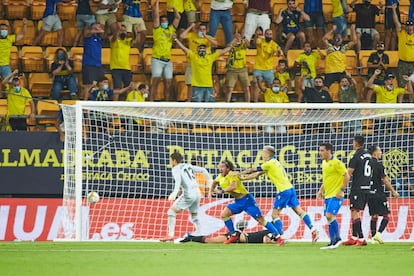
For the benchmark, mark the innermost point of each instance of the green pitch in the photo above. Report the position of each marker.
(116, 258)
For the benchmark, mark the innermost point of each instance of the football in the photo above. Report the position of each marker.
(93, 197)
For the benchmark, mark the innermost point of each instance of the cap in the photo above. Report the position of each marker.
(389, 76)
(409, 22)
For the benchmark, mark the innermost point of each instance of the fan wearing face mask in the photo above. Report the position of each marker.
(348, 94)
(6, 42)
(388, 94)
(17, 98)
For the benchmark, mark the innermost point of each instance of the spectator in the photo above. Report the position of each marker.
(348, 94)
(100, 91)
(378, 60)
(221, 13)
(236, 67)
(282, 74)
(161, 65)
(405, 48)
(51, 21)
(267, 48)
(257, 34)
(92, 56)
(17, 98)
(367, 35)
(84, 18)
(316, 94)
(190, 8)
(179, 7)
(105, 14)
(387, 93)
(290, 19)
(138, 95)
(390, 33)
(202, 65)
(195, 37)
(258, 12)
(134, 24)
(410, 10)
(335, 64)
(62, 69)
(339, 11)
(274, 94)
(120, 43)
(6, 42)
(60, 126)
(307, 63)
(313, 8)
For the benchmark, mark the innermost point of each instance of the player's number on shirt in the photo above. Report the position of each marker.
(367, 168)
(189, 172)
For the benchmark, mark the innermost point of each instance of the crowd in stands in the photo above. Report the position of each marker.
(316, 51)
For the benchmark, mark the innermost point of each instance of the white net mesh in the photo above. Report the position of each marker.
(125, 150)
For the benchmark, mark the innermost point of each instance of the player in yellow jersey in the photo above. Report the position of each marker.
(285, 192)
(226, 182)
(161, 65)
(335, 179)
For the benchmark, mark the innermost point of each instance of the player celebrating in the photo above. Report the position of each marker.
(377, 200)
(243, 201)
(360, 170)
(335, 178)
(286, 193)
(190, 197)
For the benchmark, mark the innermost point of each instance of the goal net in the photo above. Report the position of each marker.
(121, 150)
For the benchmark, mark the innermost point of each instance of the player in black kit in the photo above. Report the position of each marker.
(360, 170)
(377, 200)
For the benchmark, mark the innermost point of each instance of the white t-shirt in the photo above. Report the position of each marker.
(184, 177)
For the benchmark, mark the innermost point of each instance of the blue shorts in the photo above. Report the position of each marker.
(267, 75)
(286, 198)
(332, 205)
(247, 204)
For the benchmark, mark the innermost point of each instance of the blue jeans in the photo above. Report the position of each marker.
(5, 71)
(59, 86)
(223, 17)
(202, 94)
(340, 22)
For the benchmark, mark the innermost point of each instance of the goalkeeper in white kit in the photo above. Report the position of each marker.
(189, 198)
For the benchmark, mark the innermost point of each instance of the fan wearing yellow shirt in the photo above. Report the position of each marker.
(138, 95)
(307, 63)
(202, 70)
(178, 6)
(282, 73)
(161, 65)
(267, 48)
(405, 46)
(195, 37)
(285, 192)
(335, 179)
(229, 183)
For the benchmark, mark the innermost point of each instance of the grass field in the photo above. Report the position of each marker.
(117, 258)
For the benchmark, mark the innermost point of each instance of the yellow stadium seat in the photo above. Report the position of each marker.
(292, 54)
(32, 59)
(180, 88)
(238, 12)
(68, 102)
(69, 33)
(363, 61)
(37, 8)
(333, 91)
(48, 110)
(106, 57)
(76, 55)
(144, 7)
(14, 58)
(201, 130)
(50, 38)
(179, 60)
(224, 130)
(177, 130)
(67, 11)
(50, 56)
(139, 78)
(40, 85)
(16, 9)
(250, 59)
(147, 53)
(135, 60)
(30, 32)
(351, 62)
(204, 12)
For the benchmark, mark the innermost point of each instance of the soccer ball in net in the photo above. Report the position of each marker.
(93, 197)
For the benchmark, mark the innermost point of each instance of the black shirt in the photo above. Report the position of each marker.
(311, 95)
(361, 177)
(378, 173)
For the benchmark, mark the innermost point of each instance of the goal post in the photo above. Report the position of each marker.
(121, 151)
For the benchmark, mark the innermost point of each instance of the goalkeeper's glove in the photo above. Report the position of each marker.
(172, 196)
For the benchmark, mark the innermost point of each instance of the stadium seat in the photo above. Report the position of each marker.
(32, 59)
(205, 12)
(37, 8)
(351, 62)
(14, 58)
(49, 57)
(145, 8)
(76, 55)
(180, 88)
(30, 32)
(135, 60)
(139, 78)
(177, 130)
(249, 130)
(50, 38)
(147, 53)
(68, 102)
(221, 64)
(333, 91)
(238, 12)
(47, 111)
(292, 54)
(295, 129)
(363, 61)
(367, 127)
(16, 9)
(40, 85)
(224, 130)
(179, 60)
(67, 11)
(69, 33)
(327, 10)
(202, 130)
(106, 57)
(250, 59)
(220, 37)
